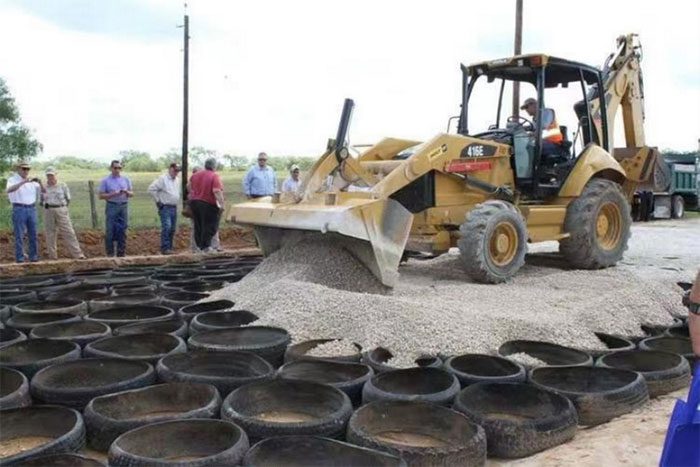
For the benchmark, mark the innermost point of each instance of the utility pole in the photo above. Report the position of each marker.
(185, 105)
(518, 49)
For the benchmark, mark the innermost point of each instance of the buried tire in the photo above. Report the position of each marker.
(598, 393)
(14, 389)
(663, 372)
(519, 419)
(493, 242)
(598, 222)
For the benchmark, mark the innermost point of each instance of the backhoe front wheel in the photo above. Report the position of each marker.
(598, 223)
(493, 242)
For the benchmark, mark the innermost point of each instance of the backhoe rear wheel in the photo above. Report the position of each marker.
(493, 242)
(599, 223)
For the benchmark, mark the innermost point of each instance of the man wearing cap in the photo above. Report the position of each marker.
(260, 180)
(23, 193)
(551, 133)
(165, 191)
(116, 191)
(292, 184)
(55, 197)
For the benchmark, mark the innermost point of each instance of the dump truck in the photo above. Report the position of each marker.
(487, 191)
(673, 188)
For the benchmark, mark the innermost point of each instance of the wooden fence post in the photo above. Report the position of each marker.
(93, 208)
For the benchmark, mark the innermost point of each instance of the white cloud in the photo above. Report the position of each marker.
(271, 75)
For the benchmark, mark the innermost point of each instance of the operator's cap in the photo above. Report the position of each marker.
(293, 168)
(528, 101)
(23, 165)
(175, 166)
(50, 171)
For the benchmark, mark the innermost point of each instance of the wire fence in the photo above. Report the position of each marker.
(142, 209)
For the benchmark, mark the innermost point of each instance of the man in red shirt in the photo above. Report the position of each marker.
(206, 198)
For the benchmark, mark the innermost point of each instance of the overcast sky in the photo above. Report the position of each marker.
(93, 77)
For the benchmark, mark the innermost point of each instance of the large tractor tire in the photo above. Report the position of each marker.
(493, 242)
(599, 223)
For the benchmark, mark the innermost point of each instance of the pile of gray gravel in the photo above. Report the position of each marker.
(316, 290)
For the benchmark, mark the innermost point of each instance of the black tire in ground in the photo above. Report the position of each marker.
(147, 347)
(112, 302)
(551, 354)
(475, 368)
(519, 419)
(493, 242)
(677, 207)
(612, 342)
(413, 384)
(25, 322)
(14, 389)
(315, 451)
(419, 432)
(377, 358)
(348, 377)
(176, 286)
(600, 210)
(32, 355)
(74, 307)
(120, 316)
(177, 300)
(173, 326)
(680, 330)
(60, 460)
(213, 320)
(134, 289)
(75, 383)
(268, 342)
(288, 407)
(12, 298)
(598, 393)
(80, 332)
(203, 287)
(9, 336)
(85, 295)
(663, 372)
(300, 351)
(188, 312)
(674, 344)
(181, 443)
(224, 370)
(5, 312)
(63, 429)
(109, 416)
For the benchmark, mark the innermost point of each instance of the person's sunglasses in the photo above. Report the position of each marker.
(24, 168)
(118, 168)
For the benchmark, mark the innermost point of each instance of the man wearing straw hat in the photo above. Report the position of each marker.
(23, 192)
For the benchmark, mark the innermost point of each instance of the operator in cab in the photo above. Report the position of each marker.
(551, 133)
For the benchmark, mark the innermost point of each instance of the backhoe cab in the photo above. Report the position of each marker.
(538, 173)
(487, 192)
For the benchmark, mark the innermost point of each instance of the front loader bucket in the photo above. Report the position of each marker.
(374, 231)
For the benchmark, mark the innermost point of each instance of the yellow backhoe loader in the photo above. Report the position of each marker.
(488, 192)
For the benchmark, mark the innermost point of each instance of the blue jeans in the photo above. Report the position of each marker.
(168, 224)
(117, 220)
(24, 220)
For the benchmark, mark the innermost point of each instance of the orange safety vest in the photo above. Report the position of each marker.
(552, 133)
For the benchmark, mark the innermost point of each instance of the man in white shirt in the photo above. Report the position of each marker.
(292, 184)
(23, 193)
(165, 191)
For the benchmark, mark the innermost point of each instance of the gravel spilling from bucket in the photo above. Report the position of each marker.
(336, 348)
(316, 290)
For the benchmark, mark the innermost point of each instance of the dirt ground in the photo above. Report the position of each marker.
(139, 242)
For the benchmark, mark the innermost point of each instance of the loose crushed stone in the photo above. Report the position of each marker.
(403, 360)
(335, 348)
(526, 359)
(315, 290)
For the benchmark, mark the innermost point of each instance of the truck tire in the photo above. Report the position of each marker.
(598, 223)
(677, 207)
(493, 242)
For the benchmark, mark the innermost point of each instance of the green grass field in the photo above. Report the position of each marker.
(142, 211)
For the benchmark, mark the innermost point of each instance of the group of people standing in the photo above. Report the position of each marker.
(205, 204)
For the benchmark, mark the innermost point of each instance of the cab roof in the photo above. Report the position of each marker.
(526, 68)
